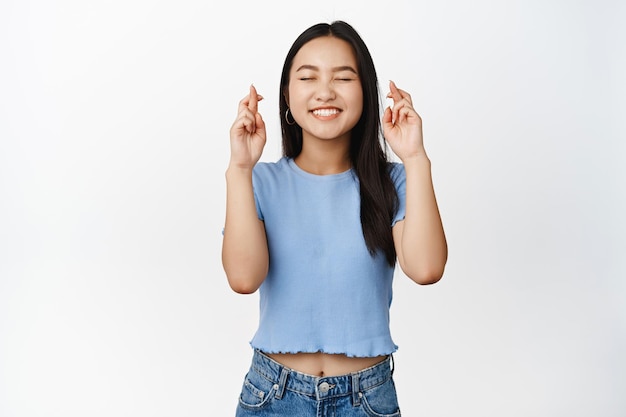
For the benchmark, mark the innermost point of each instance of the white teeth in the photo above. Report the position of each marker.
(325, 112)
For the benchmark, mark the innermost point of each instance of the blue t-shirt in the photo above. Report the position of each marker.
(324, 292)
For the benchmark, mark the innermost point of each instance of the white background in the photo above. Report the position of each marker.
(114, 120)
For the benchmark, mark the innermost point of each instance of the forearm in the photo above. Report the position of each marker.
(244, 249)
(424, 247)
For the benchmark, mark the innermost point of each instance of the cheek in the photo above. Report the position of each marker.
(357, 103)
(295, 98)
(357, 96)
(292, 94)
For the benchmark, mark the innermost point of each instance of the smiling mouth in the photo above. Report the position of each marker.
(326, 112)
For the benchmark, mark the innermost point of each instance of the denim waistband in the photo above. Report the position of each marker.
(321, 388)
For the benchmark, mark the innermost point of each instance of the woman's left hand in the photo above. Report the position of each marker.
(402, 126)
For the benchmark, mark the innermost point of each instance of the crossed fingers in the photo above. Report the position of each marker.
(248, 110)
(402, 104)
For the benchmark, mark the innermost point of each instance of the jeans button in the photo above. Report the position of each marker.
(324, 387)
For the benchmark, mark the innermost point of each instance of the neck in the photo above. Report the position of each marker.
(324, 157)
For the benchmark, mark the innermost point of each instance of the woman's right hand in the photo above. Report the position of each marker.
(247, 134)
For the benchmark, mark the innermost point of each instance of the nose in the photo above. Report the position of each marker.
(325, 91)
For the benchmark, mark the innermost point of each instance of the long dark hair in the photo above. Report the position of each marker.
(379, 199)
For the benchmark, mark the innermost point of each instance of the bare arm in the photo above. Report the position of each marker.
(419, 239)
(244, 249)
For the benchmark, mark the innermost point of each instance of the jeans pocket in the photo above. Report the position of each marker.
(257, 392)
(381, 401)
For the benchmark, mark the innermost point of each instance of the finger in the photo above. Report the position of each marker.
(398, 104)
(246, 121)
(253, 102)
(394, 93)
(260, 125)
(405, 95)
(244, 103)
(398, 94)
(404, 113)
(246, 125)
(387, 118)
(255, 97)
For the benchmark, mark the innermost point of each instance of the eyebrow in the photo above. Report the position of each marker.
(334, 69)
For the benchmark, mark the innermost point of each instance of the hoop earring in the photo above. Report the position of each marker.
(293, 121)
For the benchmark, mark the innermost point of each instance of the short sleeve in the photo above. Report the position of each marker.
(398, 177)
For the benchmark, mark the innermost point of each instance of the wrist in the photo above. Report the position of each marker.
(419, 158)
(238, 171)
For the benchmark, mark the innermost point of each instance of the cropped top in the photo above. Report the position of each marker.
(324, 291)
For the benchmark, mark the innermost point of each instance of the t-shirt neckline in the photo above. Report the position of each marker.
(327, 177)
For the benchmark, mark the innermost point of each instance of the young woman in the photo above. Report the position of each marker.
(319, 232)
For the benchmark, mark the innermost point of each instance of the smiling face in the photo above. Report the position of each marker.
(325, 94)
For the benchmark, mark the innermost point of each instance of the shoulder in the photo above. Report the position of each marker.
(269, 170)
(396, 172)
(264, 167)
(269, 178)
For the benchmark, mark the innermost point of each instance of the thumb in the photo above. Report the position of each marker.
(387, 118)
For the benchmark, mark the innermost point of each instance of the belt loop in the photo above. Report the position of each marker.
(392, 363)
(356, 399)
(282, 382)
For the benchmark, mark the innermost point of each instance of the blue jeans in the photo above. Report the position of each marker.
(271, 389)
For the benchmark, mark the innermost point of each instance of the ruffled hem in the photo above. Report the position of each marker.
(351, 353)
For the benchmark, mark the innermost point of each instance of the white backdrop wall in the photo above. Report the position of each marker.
(114, 120)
